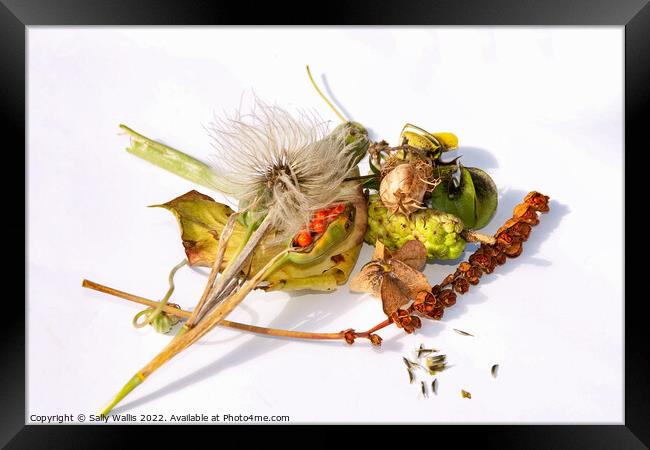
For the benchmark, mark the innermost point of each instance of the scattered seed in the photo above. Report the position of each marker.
(495, 370)
(418, 366)
(437, 358)
(465, 394)
(425, 351)
(424, 390)
(410, 365)
(464, 333)
(434, 386)
(436, 364)
(411, 376)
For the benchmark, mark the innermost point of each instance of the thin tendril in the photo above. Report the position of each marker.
(340, 116)
(161, 305)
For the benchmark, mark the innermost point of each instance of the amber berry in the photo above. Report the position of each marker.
(303, 239)
(318, 226)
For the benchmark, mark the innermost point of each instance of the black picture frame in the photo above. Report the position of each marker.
(16, 15)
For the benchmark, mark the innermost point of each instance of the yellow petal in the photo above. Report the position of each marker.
(448, 140)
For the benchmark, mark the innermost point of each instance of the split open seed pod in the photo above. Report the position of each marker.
(201, 221)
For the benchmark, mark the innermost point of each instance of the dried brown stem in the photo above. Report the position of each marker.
(507, 242)
(377, 327)
(475, 236)
(225, 323)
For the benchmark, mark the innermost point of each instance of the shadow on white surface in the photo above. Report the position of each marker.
(542, 232)
(317, 314)
(474, 157)
(320, 311)
(374, 137)
(334, 100)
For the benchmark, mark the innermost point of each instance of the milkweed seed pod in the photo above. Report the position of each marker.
(439, 232)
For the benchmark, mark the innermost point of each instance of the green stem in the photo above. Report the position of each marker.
(362, 177)
(161, 305)
(181, 342)
(128, 387)
(278, 264)
(340, 116)
(172, 160)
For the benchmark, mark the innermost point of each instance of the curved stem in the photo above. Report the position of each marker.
(377, 327)
(277, 332)
(160, 305)
(224, 323)
(340, 116)
(186, 339)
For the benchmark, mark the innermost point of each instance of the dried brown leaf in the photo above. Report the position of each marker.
(381, 252)
(368, 279)
(411, 281)
(392, 296)
(413, 254)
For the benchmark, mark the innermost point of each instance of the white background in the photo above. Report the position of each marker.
(538, 108)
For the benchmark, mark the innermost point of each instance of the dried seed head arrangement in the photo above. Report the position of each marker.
(304, 212)
(284, 167)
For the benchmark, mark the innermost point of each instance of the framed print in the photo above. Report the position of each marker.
(407, 216)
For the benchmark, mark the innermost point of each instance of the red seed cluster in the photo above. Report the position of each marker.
(318, 225)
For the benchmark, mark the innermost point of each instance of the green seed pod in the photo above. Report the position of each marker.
(356, 139)
(338, 231)
(162, 323)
